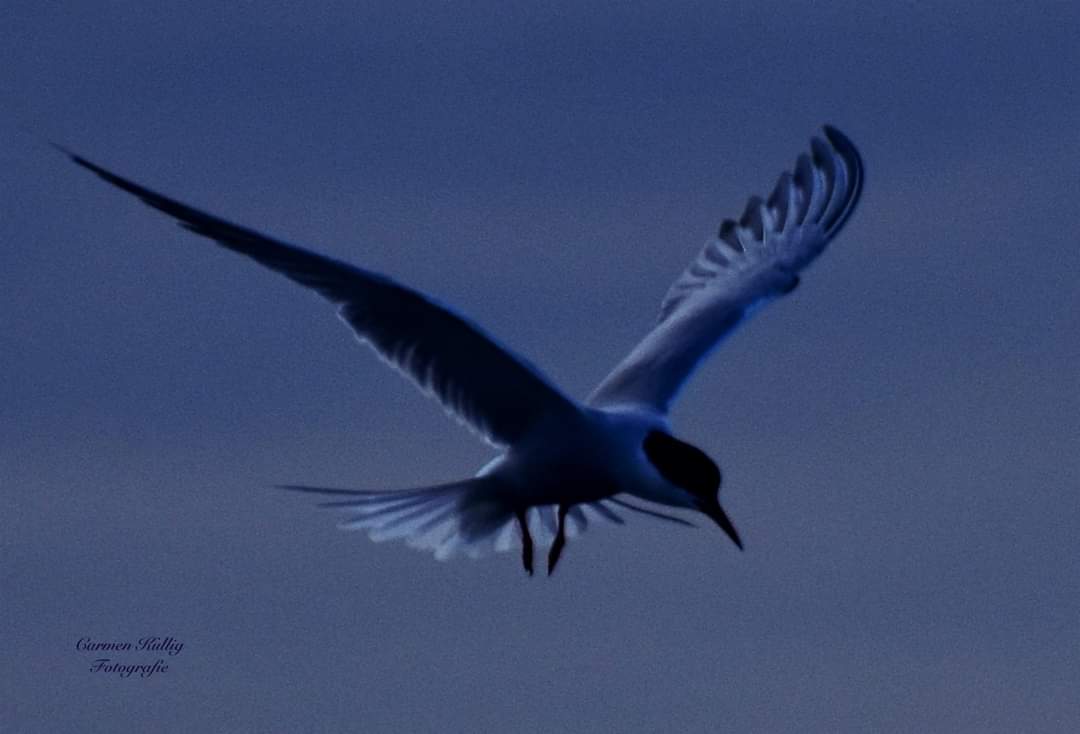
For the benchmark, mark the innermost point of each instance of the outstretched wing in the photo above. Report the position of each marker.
(493, 391)
(749, 263)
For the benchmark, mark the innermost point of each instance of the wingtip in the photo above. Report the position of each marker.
(64, 150)
(836, 137)
(69, 153)
(83, 162)
(843, 145)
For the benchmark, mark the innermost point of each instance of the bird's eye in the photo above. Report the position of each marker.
(683, 465)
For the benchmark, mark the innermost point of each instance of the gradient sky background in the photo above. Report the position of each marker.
(900, 437)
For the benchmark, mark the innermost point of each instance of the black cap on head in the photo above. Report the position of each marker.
(683, 465)
(690, 468)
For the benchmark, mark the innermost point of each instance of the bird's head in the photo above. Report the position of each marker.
(690, 470)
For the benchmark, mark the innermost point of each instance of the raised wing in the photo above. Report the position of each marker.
(749, 263)
(498, 394)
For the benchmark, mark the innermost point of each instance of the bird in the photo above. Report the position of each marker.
(561, 463)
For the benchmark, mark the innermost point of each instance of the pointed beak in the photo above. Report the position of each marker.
(716, 512)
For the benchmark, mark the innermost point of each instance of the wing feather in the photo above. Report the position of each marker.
(479, 382)
(751, 261)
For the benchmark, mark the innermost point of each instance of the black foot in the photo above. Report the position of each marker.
(526, 543)
(560, 540)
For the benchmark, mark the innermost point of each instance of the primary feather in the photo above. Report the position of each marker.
(748, 263)
(488, 388)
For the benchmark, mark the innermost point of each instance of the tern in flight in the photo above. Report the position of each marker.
(563, 463)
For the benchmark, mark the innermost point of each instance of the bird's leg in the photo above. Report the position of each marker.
(526, 542)
(560, 539)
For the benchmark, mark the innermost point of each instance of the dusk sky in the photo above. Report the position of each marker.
(900, 437)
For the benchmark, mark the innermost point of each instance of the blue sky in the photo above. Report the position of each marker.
(899, 437)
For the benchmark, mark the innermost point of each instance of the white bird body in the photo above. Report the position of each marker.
(590, 458)
(562, 463)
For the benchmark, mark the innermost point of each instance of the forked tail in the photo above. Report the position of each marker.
(460, 517)
(471, 517)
